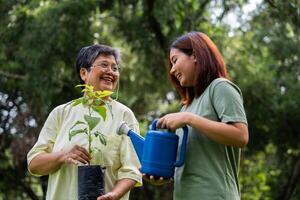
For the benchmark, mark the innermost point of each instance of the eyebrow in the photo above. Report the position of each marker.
(107, 62)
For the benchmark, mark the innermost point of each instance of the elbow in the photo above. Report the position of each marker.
(32, 169)
(243, 142)
(242, 135)
(244, 139)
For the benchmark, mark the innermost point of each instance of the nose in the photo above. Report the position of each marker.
(172, 70)
(110, 70)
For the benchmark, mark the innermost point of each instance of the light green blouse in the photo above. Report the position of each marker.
(211, 169)
(118, 155)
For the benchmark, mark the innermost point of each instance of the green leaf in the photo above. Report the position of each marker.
(104, 93)
(101, 110)
(96, 149)
(92, 121)
(109, 109)
(77, 101)
(77, 123)
(75, 132)
(99, 102)
(84, 100)
(101, 137)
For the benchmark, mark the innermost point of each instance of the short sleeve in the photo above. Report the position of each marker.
(131, 121)
(227, 101)
(46, 138)
(129, 160)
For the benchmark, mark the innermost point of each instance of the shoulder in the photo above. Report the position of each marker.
(62, 107)
(60, 111)
(224, 86)
(125, 114)
(120, 107)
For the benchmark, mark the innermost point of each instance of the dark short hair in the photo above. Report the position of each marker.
(87, 56)
(209, 65)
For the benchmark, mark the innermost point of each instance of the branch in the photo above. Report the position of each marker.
(154, 24)
(201, 10)
(27, 189)
(271, 3)
(203, 6)
(13, 76)
(293, 181)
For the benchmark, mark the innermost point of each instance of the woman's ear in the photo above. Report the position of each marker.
(194, 57)
(83, 74)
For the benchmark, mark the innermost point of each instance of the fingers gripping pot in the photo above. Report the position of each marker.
(157, 152)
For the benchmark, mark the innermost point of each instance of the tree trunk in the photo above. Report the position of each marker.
(293, 181)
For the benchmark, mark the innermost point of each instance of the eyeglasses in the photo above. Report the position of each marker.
(106, 66)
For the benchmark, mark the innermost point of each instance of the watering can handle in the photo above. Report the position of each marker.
(153, 125)
(179, 162)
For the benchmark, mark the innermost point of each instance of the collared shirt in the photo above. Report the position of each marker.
(118, 155)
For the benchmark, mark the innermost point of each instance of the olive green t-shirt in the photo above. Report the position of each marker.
(211, 169)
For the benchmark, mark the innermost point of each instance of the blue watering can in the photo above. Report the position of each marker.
(157, 153)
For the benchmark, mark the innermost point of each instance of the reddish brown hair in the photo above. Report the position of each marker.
(209, 64)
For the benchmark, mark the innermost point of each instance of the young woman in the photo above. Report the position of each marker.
(57, 156)
(214, 113)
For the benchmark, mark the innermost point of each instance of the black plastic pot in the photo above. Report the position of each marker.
(90, 182)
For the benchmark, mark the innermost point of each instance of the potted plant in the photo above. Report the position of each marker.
(91, 177)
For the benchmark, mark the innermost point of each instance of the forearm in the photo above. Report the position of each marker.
(46, 163)
(123, 186)
(235, 134)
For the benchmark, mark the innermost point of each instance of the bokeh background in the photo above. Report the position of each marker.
(259, 40)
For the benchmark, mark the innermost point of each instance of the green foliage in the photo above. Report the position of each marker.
(262, 168)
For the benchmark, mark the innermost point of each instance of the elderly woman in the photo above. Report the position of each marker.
(57, 156)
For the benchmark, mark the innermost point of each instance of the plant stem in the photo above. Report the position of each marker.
(90, 141)
(90, 136)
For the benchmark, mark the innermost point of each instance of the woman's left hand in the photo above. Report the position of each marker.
(173, 121)
(157, 181)
(108, 196)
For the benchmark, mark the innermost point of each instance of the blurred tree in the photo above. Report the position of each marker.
(267, 47)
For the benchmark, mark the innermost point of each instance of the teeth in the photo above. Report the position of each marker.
(107, 79)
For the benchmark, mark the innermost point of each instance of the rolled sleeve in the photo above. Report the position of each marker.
(46, 138)
(130, 162)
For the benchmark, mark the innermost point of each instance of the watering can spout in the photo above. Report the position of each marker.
(136, 139)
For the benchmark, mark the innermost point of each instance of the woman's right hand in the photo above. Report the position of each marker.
(47, 163)
(77, 155)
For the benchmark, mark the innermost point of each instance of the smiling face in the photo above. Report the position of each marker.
(183, 67)
(103, 74)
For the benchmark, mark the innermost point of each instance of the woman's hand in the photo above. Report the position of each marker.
(157, 181)
(120, 189)
(46, 163)
(77, 155)
(108, 196)
(173, 121)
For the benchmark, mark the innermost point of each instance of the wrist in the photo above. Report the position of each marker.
(61, 157)
(115, 195)
(189, 119)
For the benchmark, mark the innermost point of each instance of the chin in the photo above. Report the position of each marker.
(106, 87)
